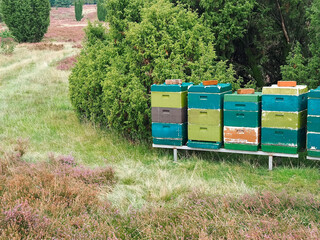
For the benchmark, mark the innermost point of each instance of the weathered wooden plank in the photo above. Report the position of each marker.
(242, 135)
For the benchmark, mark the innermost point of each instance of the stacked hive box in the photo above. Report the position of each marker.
(205, 105)
(242, 121)
(313, 142)
(284, 118)
(169, 113)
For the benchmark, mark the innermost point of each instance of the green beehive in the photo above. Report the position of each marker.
(207, 133)
(285, 120)
(205, 117)
(169, 99)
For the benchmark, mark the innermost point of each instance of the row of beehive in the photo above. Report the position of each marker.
(282, 127)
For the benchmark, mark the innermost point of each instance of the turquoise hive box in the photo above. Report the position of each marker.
(169, 113)
(313, 135)
(205, 114)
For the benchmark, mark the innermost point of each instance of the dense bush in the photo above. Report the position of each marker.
(101, 10)
(114, 75)
(27, 20)
(304, 66)
(78, 7)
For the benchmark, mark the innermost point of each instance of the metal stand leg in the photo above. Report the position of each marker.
(175, 154)
(270, 162)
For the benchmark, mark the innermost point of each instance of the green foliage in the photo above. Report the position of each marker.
(0, 11)
(314, 46)
(304, 66)
(52, 3)
(115, 71)
(296, 69)
(7, 43)
(101, 10)
(78, 7)
(27, 20)
(63, 3)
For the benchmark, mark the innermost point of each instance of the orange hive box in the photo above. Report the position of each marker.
(242, 135)
(173, 81)
(287, 83)
(210, 82)
(246, 91)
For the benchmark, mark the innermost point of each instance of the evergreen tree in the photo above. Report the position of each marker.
(101, 10)
(27, 20)
(78, 7)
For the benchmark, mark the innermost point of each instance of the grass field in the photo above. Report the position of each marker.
(34, 105)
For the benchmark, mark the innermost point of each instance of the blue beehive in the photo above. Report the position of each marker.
(205, 114)
(283, 118)
(313, 136)
(169, 113)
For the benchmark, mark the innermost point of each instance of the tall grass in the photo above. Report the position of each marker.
(58, 198)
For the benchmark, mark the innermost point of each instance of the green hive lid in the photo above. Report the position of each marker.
(170, 88)
(219, 88)
(235, 97)
(275, 90)
(314, 93)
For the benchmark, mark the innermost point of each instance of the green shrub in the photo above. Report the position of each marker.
(78, 7)
(0, 11)
(52, 3)
(111, 82)
(27, 20)
(7, 43)
(101, 10)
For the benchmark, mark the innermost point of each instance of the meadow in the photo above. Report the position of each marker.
(77, 180)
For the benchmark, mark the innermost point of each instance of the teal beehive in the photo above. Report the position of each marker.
(169, 113)
(313, 135)
(283, 118)
(205, 109)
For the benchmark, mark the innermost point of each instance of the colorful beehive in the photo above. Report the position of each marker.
(284, 118)
(313, 142)
(242, 121)
(169, 113)
(205, 105)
